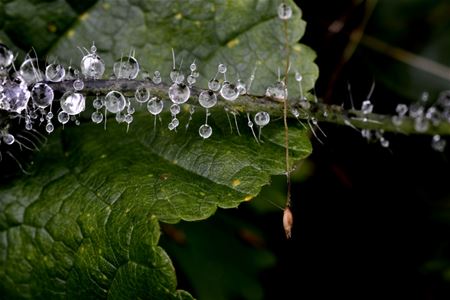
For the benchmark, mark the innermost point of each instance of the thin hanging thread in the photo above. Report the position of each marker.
(287, 212)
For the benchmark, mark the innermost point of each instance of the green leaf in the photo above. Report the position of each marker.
(85, 224)
(243, 34)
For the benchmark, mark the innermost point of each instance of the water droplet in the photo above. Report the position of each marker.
(155, 105)
(156, 77)
(438, 144)
(174, 74)
(397, 120)
(126, 68)
(92, 66)
(191, 80)
(70, 74)
(207, 99)
(433, 115)
(305, 104)
(421, 124)
(366, 133)
(175, 122)
(384, 143)
(205, 131)
(229, 91)
(175, 109)
(9, 139)
(262, 118)
(367, 107)
(179, 93)
(97, 103)
(115, 102)
(193, 67)
(401, 109)
(42, 95)
(214, 85)
(241, 87)
(29, 70)
(171, 126)
(425, 97)
(78, 85)
(97, 117)
(416, 110)
(6, 57)
(73, 103)
(63, 117)
(284, 11)
(222, 68)
(130, 110)
(128, 118)
(55, 72)
(49, 127)
(278, 91)
(295, 112)
(298, 76)
(49, 116)
(15, 95)
(28, 126)
(142, 94)
(120, 117)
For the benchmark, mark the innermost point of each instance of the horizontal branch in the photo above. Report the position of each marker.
(251, 103)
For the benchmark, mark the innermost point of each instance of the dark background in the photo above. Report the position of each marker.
(370, 222)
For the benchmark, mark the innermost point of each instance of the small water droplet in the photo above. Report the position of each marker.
(284, 11)
(205, 131)
(262, 118)
(97, 117)
(142, 94)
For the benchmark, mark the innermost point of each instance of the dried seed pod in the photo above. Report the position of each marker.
(288, 221)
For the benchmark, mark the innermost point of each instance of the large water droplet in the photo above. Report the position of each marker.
(207, 99)
(55, 72)
(92, 66)
(29, 70)
(16, 96)
(115, 102)
(229, 91)
(126, 68)
(42, 95)
(278, 91)
(73, 103)
(262, 118)
(155, 105)
(6, 57)
(179, 93)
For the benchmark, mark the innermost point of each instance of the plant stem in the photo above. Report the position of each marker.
(252, 103)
